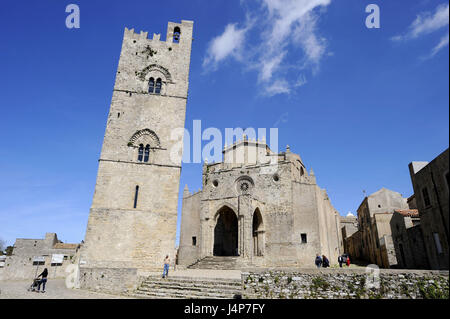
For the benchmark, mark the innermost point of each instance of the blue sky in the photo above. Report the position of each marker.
(357, 104)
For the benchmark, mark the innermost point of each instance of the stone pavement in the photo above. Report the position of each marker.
(55, 289)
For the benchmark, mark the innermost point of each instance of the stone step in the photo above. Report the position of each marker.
(190, 292)
(218, 263)
(178, 279)
(163, 295)
(188, 287)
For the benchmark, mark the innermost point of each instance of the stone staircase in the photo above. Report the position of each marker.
(218, 262)
(156, 287)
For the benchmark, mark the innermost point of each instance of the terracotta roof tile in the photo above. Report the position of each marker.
(408, 212)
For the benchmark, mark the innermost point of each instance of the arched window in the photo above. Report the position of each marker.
(151, 85)
(158, 86)
(146, 153)
(140, 152)
(176, 35)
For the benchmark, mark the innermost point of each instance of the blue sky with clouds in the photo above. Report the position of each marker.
(357, 104)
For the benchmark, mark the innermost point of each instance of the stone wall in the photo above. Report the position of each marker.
(109, 280)
(188, 253)
(431, 180)
(20, 264)
(344, 284)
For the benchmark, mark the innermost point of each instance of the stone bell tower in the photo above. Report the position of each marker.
(133, 217)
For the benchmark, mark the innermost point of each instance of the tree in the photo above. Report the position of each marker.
(9, 250)
(2, 246)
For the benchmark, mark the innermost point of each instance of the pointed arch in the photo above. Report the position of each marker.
(258, 233)
(225, 232)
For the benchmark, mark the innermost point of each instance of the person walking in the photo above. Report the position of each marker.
(318, 261)
(340, 260)
(166, 267)
(348, 261)
(325, 262)
(43, 281)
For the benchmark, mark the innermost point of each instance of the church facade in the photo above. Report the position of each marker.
(261, 207)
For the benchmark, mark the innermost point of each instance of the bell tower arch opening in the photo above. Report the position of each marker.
(226, 233)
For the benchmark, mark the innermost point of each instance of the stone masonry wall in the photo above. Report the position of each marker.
(109, 280)
(344, 284)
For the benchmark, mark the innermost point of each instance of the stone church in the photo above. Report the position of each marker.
(265, 210)
(261, 207)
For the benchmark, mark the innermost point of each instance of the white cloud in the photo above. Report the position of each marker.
(278, 86)
(228, 43)
(426, 23)
(443, 43)
(278, 24)
(269, 65)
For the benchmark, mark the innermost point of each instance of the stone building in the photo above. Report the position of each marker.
(431, 191)
(261, 208)
(30, 257)
(349, 226)
(373, 240)
(133, 218)
(408, 240)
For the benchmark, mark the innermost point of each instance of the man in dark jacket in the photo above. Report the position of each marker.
(318, 261)
(340, 260)
(325, 262)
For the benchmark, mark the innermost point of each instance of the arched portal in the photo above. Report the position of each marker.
(226, 233)
(258, 234)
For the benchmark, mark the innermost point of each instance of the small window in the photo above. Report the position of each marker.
(141, 152)
(194, 241)
(38, 263)
(146, 153)
(158, 86)
(426, 197)
(215, 183)
(136, 193)
(176, 35)
(304, 239)
(151, 85)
